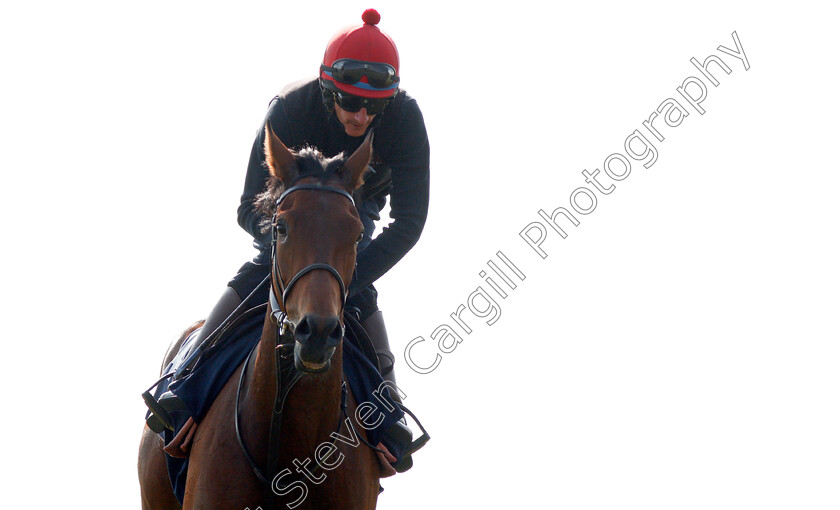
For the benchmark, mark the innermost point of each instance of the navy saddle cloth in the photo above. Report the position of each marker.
(199, 388)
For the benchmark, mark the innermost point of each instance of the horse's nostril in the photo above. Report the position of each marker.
(303, 329)
(319, 332)
(332, 332)
(335, 334)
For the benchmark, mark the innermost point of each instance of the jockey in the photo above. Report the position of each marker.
(357, 91)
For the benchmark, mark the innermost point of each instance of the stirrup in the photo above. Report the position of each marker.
(160, 418)
(402, 435)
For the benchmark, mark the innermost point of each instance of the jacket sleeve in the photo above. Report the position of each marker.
(255, 178)
(409, 162)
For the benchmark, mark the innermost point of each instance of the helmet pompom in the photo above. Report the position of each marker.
(371, 16)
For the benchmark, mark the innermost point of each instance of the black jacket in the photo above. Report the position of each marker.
(299, 117)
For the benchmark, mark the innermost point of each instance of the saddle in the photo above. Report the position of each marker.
(182, 396)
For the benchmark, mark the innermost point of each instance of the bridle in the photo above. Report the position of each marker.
(278, 308)
(287, 376)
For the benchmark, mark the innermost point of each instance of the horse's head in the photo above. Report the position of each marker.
(315, 232)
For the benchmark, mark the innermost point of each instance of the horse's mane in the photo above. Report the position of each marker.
(310, 163)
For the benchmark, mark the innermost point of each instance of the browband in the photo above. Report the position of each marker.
(315, 186)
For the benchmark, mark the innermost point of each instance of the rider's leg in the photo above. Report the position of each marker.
(224, 307)
(249, 277)
(399, 433)
(168, 401)
(375, 328)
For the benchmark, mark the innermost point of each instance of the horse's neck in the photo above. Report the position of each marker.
(312, 409)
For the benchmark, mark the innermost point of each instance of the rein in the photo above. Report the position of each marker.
(287, 375)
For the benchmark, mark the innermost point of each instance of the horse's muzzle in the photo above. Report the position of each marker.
(316, 338)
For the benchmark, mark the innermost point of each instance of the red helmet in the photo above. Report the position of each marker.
(362, 60)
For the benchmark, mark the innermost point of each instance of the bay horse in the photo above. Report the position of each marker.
(235, 459)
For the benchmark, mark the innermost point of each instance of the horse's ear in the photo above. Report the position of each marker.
(354, 168)
(280, 160)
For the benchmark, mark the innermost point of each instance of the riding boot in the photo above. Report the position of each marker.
(399, 432)
(375, 328)
(224, 307)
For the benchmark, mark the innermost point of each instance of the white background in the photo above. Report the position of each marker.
(677, 350)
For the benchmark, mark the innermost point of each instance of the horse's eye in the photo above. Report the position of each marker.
(361, 236)
(280, 229)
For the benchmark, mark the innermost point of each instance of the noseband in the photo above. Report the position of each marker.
(278, 308)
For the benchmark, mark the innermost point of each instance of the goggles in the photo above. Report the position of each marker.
(352, 104)
(350, 72)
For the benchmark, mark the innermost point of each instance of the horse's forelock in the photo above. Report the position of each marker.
(311, 163)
